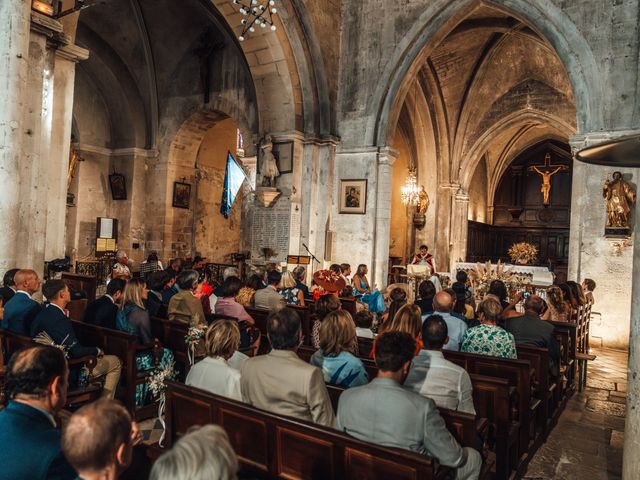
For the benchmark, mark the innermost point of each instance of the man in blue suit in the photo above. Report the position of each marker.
(36, 387)
(20, 311)
(54, 321)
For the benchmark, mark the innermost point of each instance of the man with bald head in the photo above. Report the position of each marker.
(443, 305)
(98, 440)
(36, 388)
(20, 311)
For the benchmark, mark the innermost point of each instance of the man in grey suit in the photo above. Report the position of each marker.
(268, 298)
(280, 381)
(385, 413)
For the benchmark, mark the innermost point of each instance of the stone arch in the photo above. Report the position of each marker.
(439, 19)
(285, 59)
(520, 117)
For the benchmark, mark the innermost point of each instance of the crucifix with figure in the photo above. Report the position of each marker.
(547, 170)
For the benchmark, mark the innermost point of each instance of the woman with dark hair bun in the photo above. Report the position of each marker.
(567, 293)
(577, 292)
(426, 290)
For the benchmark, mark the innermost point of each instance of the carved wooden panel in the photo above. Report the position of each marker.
(303, 456)
(363, 466)
(248, 437)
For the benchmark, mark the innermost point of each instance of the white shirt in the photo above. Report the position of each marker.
(447, 384)
(216, 376)
(364, 332)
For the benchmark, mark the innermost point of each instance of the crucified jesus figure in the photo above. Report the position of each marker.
(546, 175)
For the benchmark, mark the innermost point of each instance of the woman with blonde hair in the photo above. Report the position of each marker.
(557, 310)
(290, 292)
(213, 373)
(133, 318)
(335, 357)
(408, 320)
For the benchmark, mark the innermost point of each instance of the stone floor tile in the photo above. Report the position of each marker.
(621, 387)
(608, 408)
(598, 383)
(617, 439)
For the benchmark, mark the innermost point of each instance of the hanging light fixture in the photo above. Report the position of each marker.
(256, 14)
(410, 192)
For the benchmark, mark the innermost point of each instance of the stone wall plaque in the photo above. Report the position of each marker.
(270, 229)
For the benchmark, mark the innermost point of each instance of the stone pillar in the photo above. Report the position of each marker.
(386, 157)
(14, 54)
(444, 225)
(61, 120)
(459, 230)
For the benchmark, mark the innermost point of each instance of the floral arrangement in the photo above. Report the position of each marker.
(483, 274)
(44, 338)
(192, 338)
(523, 253)
(158, 377)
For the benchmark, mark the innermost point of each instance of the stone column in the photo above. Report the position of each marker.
(14, 54)
(61, 120)
(444, 225)
(386, 157)
(459, 228)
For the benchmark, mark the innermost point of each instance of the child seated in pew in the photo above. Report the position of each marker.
(339, 365)
(214, 373)
(364, 321)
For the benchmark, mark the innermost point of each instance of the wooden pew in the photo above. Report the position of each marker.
(11, 342)
(123, 346)
(365, 345)
(566, 335)
(260, 316)
(520, 376)
(274, 446)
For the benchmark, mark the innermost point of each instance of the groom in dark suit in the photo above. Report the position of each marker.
(36, 388)
(54, 320)
(20, 311)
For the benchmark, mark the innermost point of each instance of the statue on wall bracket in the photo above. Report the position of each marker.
(620, 197)
(419, 217)
(267, 193)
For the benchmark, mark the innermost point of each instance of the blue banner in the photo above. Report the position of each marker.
(233, 178)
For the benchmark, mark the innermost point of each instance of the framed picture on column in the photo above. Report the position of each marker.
(353, 196)
(283, 151)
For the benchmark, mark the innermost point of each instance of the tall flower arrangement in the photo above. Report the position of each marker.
(483, 274)
(523, 253)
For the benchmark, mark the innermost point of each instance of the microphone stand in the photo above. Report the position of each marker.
(313, 257)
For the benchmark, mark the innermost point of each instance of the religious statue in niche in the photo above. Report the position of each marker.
(268, 165)
(620, 197)
(546, 171)
(419, 216)
(423, 206)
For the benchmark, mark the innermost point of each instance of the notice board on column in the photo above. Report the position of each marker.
(270, 229)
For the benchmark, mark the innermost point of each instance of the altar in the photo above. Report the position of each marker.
(539, 276)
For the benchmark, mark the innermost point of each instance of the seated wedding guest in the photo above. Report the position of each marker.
(556, 306)
(529, 329)
(398, 297)
(204, 453)
(150, 266)
(364, 321)
(184, 307)
(299, 273)
(227, 305)
(54, 321)
(156, 283)
(335, 268)
(372, 297)
(461, 305)
(407, 320)
(324, 305)
(268, 298)
(426, 291)
(245, 294)
(280, 381)
(98, 440)
(175, 267)
(499, 289)
(443, 306)
(213, 373)
(120, 269)
(290, 292)
(345, 271)
(339, 365)
(170, 288)
(577, 292)
(153, 259)
(8, 289)
(102, 311)
(133, 318)
(588, 286)
(385, 413)
(488, 338)
(36, 389)
(432, 376)
(453, 312)
(463, 278)
(226, 273)
(569, 300)
(20, 311)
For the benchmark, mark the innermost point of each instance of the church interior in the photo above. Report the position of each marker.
(445, 142)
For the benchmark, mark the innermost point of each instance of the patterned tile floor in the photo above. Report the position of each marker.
(587, 441)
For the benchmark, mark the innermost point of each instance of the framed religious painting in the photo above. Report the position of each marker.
(118, 186)
(181, 194)
(353, 196)
(283, 151)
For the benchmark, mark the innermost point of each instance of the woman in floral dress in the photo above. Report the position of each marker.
(488, 338)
